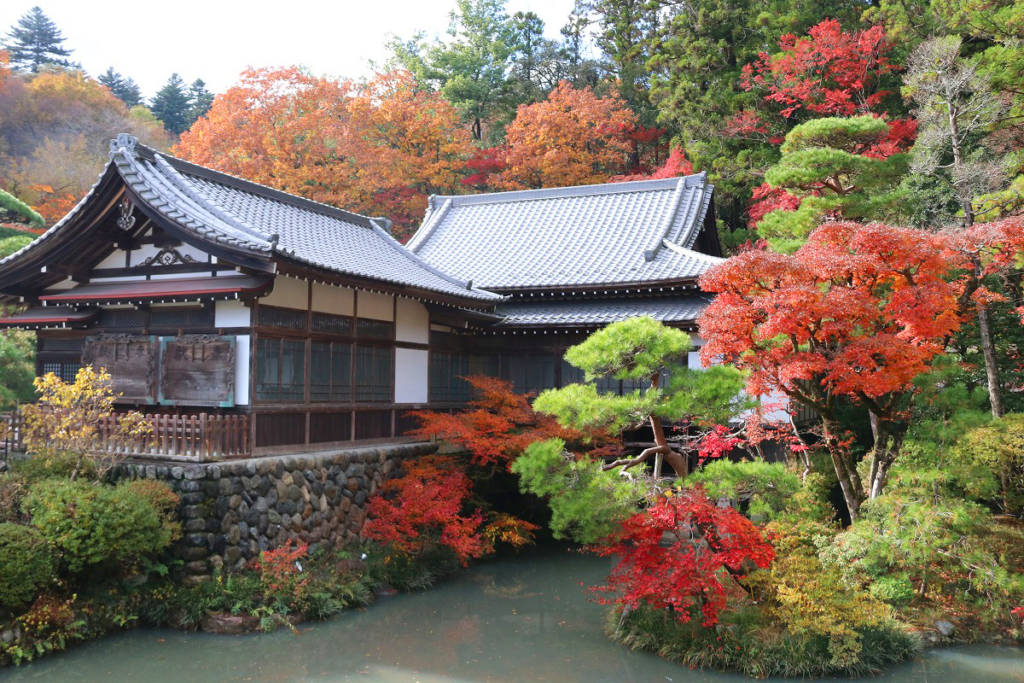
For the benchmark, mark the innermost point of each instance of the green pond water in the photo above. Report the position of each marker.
(522, 618)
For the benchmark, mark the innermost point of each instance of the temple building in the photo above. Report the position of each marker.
(214, 300)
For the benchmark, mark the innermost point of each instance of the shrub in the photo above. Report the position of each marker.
(761, 488)
(748, 642)
(45, 463)
(13, 488)
(424, 510)
(91, 525)
(684, 553)
(67, 419)
(895, 590)
(164, 501)
(27, 566)
(999, 447)
(953, 550)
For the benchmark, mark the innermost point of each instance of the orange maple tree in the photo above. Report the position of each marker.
(854, 315)
(573, 137)
(497, 426)
(377, 148)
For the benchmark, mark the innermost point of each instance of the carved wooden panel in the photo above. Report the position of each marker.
(131, 362)
(198, 370)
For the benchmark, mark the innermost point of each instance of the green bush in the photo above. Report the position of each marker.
(895, 590)
(52, 464)
(748, 642)
(26, 562)
(91, 525)
(13, 488)
(9, 245)
(761, 489)
(999, 447)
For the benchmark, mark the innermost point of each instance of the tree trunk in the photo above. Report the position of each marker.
(988, 347)
(675, 460)
(846, 470)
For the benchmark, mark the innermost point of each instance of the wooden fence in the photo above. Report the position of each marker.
(194, 438)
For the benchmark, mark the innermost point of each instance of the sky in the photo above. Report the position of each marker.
(216, 39)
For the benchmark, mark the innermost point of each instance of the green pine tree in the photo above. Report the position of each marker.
(172, 105)
(201, 100)
(824, 162)
(124, 89)
(35, 41)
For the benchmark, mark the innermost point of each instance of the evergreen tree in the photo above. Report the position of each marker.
(578, 69)
(172, 105)
(36, 41)
(470, 69)
(124, 89)
(201, 100)
(834, 166)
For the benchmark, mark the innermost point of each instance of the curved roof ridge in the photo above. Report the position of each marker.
(408, 253)
(575, 190)
(187, 212)
(670, 220)
(208, 203)
(679, 249)
(239, 183)
(434, 219)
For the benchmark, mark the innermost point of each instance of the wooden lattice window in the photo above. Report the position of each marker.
(374, 374)
(280, 370)
(330, 372)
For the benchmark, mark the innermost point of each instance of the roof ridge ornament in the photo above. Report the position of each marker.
(123, 143)
(126, 221)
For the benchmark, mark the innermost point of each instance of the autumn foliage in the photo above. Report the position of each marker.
(496, 427)
(378, 148)
(856, 314)
(573, 137)
(683, 553)
(829, 72)
(425, 509)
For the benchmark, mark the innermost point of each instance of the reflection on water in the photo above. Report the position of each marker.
(519, 619)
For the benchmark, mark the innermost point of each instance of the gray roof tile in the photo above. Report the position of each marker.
(683, 308)
(261, 221)
(616, 233)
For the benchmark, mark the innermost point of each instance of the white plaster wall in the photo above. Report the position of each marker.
(242, 344)
(375, 306)
(411, 376)
(288, 293)
(113, 260)
(331, 299)
(413, 324)
(231, 314)
(66, 283)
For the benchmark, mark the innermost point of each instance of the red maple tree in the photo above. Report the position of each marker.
(424, 509)
(828, 72)
(854, 315)
(497, 426)
(684, 553)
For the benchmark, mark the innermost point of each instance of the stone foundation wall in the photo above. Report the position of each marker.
(232, 510)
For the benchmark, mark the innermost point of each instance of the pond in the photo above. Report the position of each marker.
(522, 618)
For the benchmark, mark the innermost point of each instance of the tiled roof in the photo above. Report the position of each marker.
(683, 308)
(253, 220)
(617, 233)
(261, 220)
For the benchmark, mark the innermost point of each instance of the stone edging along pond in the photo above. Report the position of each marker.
(232, 510)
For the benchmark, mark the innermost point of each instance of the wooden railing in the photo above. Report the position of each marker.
(194, 438)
